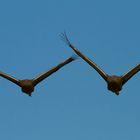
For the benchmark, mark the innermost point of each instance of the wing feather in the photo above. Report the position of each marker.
(130, 73)
(52, 70)
(90, 62)
(10, 78)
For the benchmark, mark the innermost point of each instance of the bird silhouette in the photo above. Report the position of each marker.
(114, 83)
(27, 85)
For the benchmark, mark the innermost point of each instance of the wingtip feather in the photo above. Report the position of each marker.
(74, 57)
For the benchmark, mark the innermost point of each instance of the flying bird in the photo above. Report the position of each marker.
(27, 85)
(114, 83)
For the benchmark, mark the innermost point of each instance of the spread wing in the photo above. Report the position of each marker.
(90, 62)
(130, 73)
(10, 78)
(52, 70)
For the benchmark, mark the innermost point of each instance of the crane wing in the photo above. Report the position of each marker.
(10, 78)
(130, 73)
(52, 70)
(90, 62)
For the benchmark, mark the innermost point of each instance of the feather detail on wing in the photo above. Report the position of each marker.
(52, 70)
(90, 62)
(130, 73)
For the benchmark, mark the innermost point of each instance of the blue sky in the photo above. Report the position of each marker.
(74, 103)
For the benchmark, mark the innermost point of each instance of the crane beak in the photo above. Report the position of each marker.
(29, 94)
(117, 93)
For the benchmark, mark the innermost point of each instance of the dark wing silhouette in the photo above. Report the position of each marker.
(90, 62)
(130, 73)
(52, 70)
(10, 78)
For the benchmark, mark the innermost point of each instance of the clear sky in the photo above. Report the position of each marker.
(73, 103)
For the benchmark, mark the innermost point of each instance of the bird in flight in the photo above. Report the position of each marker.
(27, 85)
(114, 83)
